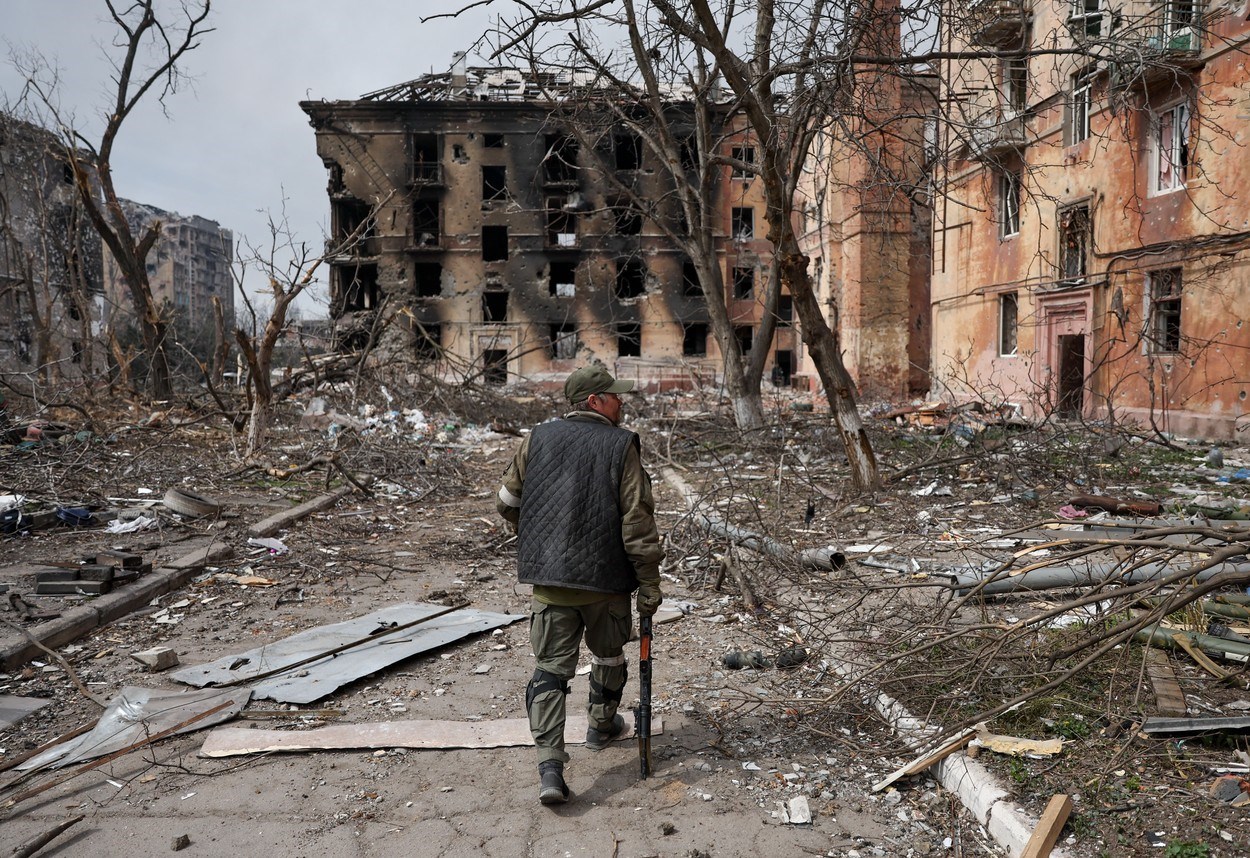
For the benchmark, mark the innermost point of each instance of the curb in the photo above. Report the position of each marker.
(16, 651)
(1011, 826)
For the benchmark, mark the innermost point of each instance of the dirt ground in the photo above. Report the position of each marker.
(736, 746)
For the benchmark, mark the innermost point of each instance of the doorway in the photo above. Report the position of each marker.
(1071, 375)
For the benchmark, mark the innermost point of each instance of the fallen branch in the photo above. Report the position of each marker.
(69, 671)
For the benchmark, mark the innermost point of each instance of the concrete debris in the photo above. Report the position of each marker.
(157, 658)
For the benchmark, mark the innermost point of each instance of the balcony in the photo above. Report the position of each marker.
(996, 134)
(425, 174)
(999, 22)
(1167, 41)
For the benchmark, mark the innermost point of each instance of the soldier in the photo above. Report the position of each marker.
(581, 503)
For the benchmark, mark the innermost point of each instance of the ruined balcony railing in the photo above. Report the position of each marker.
(999, 22)
(429, 174)
(996, 134)
(1158, 45)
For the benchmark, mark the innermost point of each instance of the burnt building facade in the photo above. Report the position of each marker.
(51, 270)
(503, 241)
(1091, 246)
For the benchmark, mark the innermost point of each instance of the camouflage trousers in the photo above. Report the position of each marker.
(556, 634)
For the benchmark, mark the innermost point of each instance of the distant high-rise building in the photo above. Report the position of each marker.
(187, 267)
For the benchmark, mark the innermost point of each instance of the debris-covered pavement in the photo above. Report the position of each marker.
(806, 658)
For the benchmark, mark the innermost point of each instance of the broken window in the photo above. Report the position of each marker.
(628, 220)
(694, 339)
(1074, 243)
(1164, 314)
(348, 216)
(427, 339)
(1080, 107)
(628, 151)
(563, 345)
(75, 349)
(744, 283)
(494, 183)
(785, 310)
(1086, 18)
(783, 367)
(742, 223)
(494, 307)
(690, 280)
(1008, 203)
(492, 141)
(631, 278)
(426, 228)
(1008, 309)
(494, 243)
(560, 163)
(425, 165)
(1171, 148)
(428, 279)
(689, 152)
(1016, 84)
(744, 334)
(745, 154)
(561, 224)
(562, 279)
(629, 339)
(357, 287)
(495, 366)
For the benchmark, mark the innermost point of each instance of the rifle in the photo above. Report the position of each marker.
(642, 718)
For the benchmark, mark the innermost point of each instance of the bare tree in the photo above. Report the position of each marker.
(140, 31)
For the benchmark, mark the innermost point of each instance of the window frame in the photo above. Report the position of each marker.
(1179, 117)
(1081, 107)
(1015, 85)
(1090, 19)
(1011, 299)
(743, 216)
(1157, 340)
(745, 154)
(1010, 196)
(1065, 279)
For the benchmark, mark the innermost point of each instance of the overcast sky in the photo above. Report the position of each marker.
(236, 143)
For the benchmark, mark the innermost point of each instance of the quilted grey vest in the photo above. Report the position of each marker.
(570, 529)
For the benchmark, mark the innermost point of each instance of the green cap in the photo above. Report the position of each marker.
(593, 379)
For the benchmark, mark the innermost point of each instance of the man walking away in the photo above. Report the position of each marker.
(581, 503)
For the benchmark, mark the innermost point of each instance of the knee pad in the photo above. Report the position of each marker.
(602, 694)
(542, 682)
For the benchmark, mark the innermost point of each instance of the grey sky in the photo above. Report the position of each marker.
(236, 143)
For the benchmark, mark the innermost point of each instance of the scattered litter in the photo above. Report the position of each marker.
(934, 490)
(1069, 511)
(1016, 747)
(135, 525)
(1231, 789)
(501, 733)
(795, 811)
(275, 546)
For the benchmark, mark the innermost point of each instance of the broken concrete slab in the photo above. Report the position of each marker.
(377, 649)
(157, 658)
(271, 525)
(426, 735)
(138, 712)
(14, 708)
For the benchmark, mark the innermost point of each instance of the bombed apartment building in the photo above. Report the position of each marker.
(1091, 248)
(864, 223)
(465, 209)
(51, 283)
(188, 266)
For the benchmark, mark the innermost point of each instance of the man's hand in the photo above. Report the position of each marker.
(649, 598)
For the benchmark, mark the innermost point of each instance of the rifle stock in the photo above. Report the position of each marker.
(642, 721)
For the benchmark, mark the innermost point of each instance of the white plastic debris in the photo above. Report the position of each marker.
(274, 545)
(133, 526)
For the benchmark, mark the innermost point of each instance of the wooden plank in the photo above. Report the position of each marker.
(278, 521)
(1169, 698)
(1200, 657)
(1048, 827)
(500, 733)
(927, 759)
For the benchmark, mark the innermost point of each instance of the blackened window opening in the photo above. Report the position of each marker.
(629, 339)
(492, 141)
(494, 243)
(358, 287)
(561, 224)
(427, 339)
(742, 222)
(425, 157)
(495, 366)
(494, 183)
(785, 310)
(563, 345)
(494, 307)
(560, 164)
(562, 279)
(631, 278)
(690, 286)
(350, 216)
(628, 219)
(428, 279)
(744, 335)
(744, 283)
(628, 149)
(694, 339)
(426, 228)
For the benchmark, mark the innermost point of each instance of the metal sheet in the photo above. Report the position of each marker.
(14, 709)
(138, 712)
(429, 735)
(311, 682)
